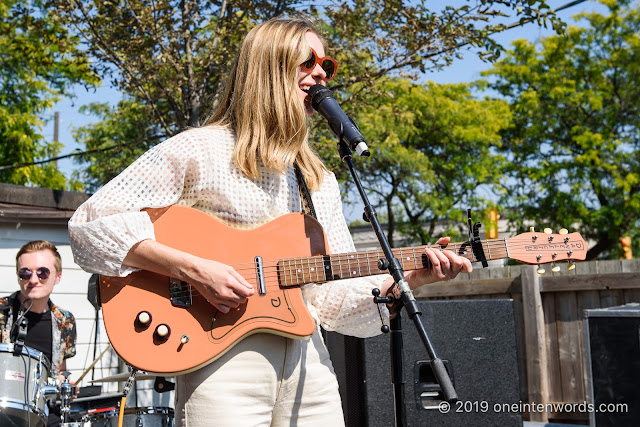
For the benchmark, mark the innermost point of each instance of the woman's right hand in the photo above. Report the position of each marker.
(221, 285)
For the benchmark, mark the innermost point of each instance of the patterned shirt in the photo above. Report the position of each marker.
(195, 168)
(63, 331)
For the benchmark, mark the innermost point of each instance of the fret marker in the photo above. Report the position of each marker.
(353, 273)
(326, 267)
(313, 269)
(299, 270)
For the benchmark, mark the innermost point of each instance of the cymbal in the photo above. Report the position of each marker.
(123, 376)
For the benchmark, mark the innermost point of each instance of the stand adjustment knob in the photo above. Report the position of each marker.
(377, 299)
(383, 264)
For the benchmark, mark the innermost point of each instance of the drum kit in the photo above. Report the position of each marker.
(25, 389)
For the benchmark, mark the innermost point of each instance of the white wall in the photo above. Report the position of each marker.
(71, 294)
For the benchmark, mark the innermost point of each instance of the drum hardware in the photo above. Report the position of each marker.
(132, 417)
(49, 391)
(161, 385)
(106, 411)
(83, 407)
(67, 390)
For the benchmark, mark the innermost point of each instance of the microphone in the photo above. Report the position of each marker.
(343, 126)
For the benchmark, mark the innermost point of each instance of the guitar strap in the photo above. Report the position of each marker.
(307, 203)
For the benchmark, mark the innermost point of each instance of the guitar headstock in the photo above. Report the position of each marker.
(545, 247)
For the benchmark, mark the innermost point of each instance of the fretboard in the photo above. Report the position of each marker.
(294, 272)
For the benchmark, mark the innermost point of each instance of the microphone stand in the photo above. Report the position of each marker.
(403, 295)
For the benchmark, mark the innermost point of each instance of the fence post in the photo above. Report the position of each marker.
(535, 344)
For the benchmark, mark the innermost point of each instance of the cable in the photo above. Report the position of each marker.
(79, 153)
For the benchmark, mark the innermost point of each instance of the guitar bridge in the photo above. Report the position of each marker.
(180, 293)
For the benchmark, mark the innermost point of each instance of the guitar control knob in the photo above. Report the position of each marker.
(162, 332)
(144, 318)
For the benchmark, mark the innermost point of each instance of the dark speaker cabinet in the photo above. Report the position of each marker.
(612, 337)
(476, 340)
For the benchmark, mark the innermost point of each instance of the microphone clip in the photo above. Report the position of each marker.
(19, 334)
(360, 147)
(19, 329)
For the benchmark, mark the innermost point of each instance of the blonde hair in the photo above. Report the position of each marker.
(41, 245)
(261, 102)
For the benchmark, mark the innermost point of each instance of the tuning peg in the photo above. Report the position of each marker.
(532, 229)
(555, 267)
(563, 231)
(571, 266)
(548, 231)
(541, 270)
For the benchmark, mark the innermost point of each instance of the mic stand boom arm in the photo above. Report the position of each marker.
(406, 298)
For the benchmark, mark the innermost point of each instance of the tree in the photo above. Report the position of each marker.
(172, 57)
(573, 144)
(432, 147)
(128, 124)
(40, 62)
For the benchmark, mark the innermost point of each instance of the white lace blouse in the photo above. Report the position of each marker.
(195, 168)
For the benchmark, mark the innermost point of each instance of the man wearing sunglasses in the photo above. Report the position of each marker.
(51, 330)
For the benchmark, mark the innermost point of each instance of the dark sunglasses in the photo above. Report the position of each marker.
(26, 273)
(329, 65)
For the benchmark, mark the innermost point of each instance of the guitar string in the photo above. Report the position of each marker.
(355, 256)
(275, 286)
(339, 260)
(379, 253)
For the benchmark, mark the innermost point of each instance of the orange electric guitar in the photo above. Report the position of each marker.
(161, 325)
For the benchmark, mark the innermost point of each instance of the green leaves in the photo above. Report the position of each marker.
(174, 56)
(574, 139)
(40, 62)
(432, 147)
(122, 135)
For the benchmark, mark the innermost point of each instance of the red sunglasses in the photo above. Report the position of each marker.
(329, 65)
(26, 273)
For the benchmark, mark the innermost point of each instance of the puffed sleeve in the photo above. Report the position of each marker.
(109, 223)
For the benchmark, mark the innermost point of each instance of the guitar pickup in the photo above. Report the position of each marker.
(180, 293)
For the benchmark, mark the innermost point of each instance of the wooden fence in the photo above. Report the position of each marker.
(549, 313)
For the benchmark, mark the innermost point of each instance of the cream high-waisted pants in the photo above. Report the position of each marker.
(264, 380)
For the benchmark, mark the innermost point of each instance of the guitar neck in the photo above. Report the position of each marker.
(294, 272)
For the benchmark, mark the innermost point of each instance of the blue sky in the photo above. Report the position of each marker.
(462, 70)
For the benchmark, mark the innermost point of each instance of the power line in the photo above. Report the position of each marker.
(77, 153)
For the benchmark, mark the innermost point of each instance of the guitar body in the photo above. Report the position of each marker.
(160, 325)
(198, 333)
